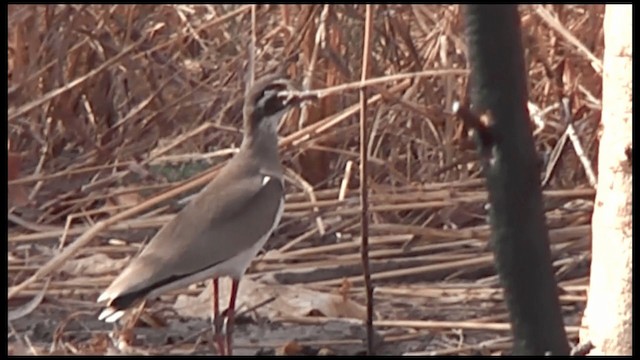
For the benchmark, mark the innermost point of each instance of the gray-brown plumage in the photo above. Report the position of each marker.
(220, 231)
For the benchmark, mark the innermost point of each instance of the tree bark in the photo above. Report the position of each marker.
(519, 236)
(607, 320)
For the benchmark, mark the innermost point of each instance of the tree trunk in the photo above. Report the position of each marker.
(607, 320)
(519, 233)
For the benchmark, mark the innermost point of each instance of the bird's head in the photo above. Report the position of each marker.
(267, 100)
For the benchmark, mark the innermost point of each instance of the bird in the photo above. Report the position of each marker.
(226, 224)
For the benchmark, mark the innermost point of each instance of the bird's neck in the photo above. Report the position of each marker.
(263, 145)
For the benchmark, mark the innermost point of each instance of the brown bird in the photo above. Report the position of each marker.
(223, 228)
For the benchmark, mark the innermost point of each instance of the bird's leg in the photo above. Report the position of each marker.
(231, 314)
(216, 320)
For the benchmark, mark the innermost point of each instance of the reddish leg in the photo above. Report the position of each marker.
(216, 319)
(231, 315)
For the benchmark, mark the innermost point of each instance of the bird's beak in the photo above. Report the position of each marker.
(295, 97)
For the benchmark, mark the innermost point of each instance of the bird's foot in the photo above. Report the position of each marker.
(218, 335)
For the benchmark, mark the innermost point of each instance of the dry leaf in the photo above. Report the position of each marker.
(128, 199)
(325, 352)
(344, 289)
(122, 198)
(289, 300)
(290, 348)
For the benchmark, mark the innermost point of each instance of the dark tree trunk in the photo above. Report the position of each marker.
(519, 234)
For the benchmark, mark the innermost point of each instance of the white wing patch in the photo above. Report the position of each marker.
(265, 180)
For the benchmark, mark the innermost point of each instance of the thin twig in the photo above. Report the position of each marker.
(344, 184)
(307, 188)
(357, 85)
(364, 201)
(575, 141)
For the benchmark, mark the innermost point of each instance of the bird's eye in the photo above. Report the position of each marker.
(272, 105)
(270, 102)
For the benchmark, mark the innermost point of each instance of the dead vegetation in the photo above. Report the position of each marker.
(117, 112)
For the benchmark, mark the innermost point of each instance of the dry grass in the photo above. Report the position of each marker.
(111, 106)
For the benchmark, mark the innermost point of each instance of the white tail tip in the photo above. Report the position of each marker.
(110, 315)
(103, 297)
